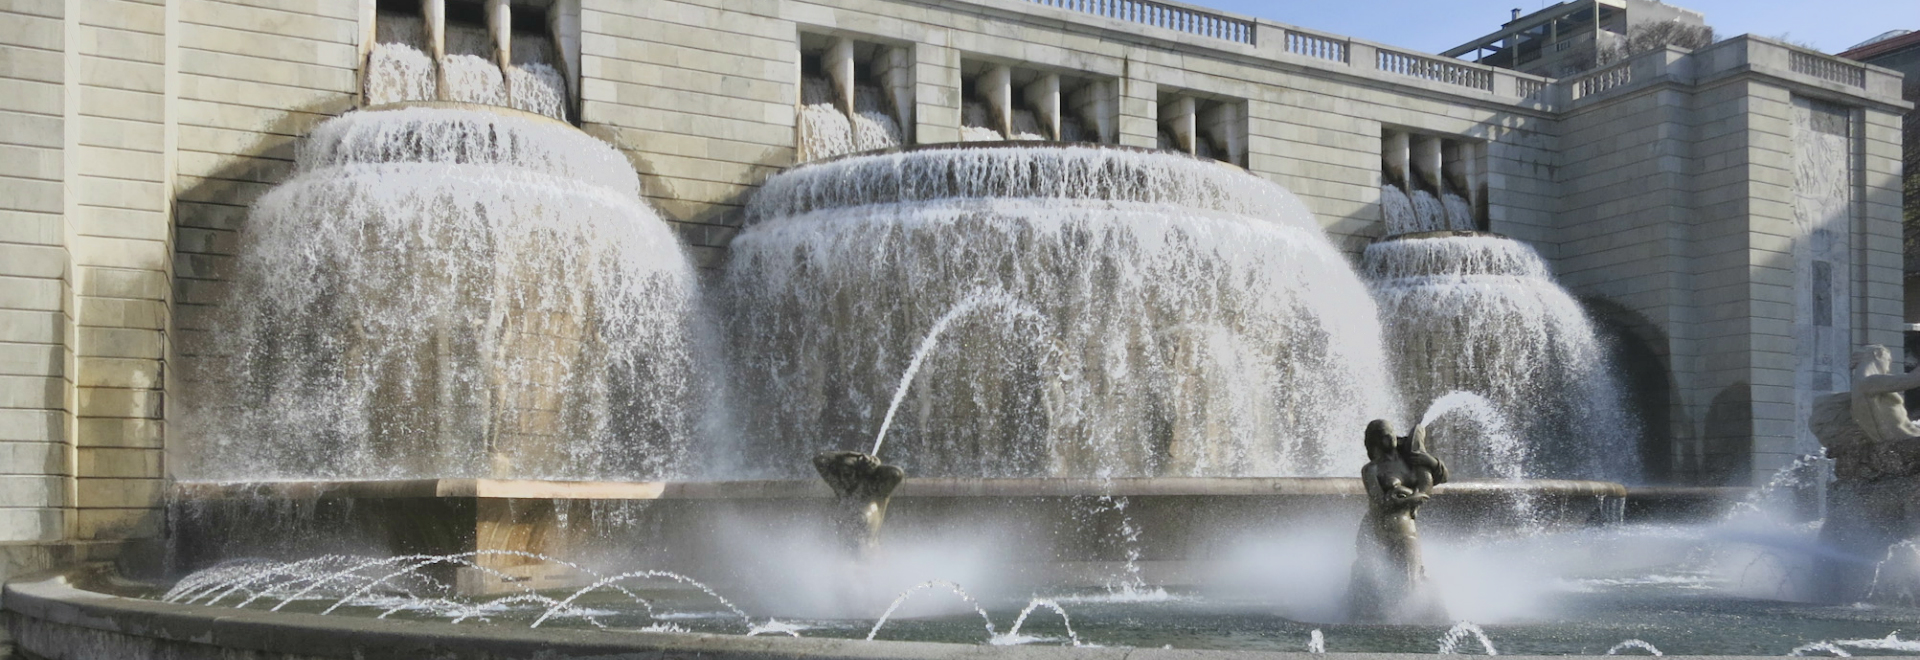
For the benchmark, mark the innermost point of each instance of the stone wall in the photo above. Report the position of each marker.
(36, 313)
(1679, 214)
(88, 236)
(705, 123)
(85, 259)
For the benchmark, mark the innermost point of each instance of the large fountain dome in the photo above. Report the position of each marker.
(449, 291)
(1103, 312)
(1477, 312)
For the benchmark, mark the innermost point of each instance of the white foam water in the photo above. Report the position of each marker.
(1482, 314)
(1397, 210)
(1462, 632)
(824, 131)
(1429, 214)
(976, 123)
(1193, 319)
(1634, 644)
(1026, 126)
(537, 88)
(1473, 437)
(950, 587)
(448, 293)
(474, 79)
(874, 127)
(399, 72)
(1459, 212)
(1013, 636)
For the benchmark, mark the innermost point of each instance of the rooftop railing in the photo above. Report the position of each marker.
(1603, 80)
(1316, 46)
(1319, 49)
(1446, 70)
(1827, 68)
(1172, 17)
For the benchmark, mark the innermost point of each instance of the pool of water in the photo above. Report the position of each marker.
(1679, 614)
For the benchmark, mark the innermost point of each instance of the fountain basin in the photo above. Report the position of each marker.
(61, 616)
(91, 614)
(1047, 531)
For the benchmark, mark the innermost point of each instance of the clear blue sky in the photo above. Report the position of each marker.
(1436, 25)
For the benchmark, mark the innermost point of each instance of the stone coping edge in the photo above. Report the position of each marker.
(51, 601)
(814, 488)
(501, 110)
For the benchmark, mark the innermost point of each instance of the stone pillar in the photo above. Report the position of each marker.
(1139, 113)
(563, 25)
(1177, 117)
(996, 86)
(894, 67)
(1395, 154)
(1097, 107)
(1225, 125)
(936, 98)
(120, 185)
(839, 65)
(1426, 162)
(434, 16)
(1043, 97)
(500, 27)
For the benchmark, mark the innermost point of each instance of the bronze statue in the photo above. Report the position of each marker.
(1389, 583)
(862, 486)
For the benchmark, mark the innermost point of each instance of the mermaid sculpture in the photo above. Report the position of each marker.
(1389, 583)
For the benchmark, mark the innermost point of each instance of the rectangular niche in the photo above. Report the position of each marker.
(1431, 182)
(1009, 102)
(522, 54)
(854, 95)
(1204, 125)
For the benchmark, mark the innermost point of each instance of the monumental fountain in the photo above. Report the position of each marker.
(1109, 395)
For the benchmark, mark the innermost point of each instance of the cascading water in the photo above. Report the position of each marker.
(1026, 126)
(399, 69)
(1191, 319)
(826, 132)
(1429, 211)
(976, 123)
(473, 79)
(873, 127)
(1459, 212)
(1423, 212)
(442, 293)
(1482, 314)
(1396, 208)
(397, 72)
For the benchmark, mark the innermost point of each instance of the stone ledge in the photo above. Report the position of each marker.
(812, 488)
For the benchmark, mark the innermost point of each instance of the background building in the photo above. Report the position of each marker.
(1575, 36)
(1899, 50)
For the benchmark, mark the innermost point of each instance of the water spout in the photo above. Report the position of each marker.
(862, 487)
